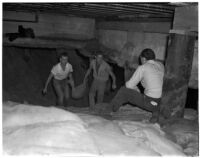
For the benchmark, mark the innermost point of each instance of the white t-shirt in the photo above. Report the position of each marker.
(58, 72)
(151, 77)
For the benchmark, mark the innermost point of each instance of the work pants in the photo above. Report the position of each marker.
(125, 95)
(62, 90)
(96, 91)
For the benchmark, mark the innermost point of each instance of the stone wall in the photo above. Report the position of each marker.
(129, 44)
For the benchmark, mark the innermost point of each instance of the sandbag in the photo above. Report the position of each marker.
(22, 115)
(184, 132)
(79, 91)
(37, 130)
(34, 130)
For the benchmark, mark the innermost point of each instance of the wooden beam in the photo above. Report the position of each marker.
(153, 27)
(138, 19)
(184, 32)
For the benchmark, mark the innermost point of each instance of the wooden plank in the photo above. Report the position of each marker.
(184, 32)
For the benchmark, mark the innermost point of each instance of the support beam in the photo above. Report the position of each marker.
(177, 73)
(152, 27)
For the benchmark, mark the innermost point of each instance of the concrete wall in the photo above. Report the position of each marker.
(129, 44)
(51, 25)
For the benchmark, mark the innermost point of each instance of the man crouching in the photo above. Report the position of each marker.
(150, 74)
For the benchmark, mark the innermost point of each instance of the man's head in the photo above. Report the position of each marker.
(64, 58)
(147, 54)
(99, 58)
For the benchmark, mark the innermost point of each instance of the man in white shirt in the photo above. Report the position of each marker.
(61, 74)
(150, 74)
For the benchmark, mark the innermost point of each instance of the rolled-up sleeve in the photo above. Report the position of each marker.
(70, 68)
(135, 79)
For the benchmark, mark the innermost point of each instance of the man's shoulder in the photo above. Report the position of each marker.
(92, 62)
(106, 64)
(69, 64)
(160, 62)
(141, 66)
(156, 63)
(56, 65)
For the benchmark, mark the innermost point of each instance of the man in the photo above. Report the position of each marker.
(101, 71)
(60, 74)
(150, 74)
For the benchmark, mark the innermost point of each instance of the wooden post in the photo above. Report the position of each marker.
(177, 73)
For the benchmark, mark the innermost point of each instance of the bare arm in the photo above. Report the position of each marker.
(88, 72)
(135, 79)
(47, 82)
(70, 76)
(71, 80)
(113, 78)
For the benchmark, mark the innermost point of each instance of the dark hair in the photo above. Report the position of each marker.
(98, 53)
(64, 54)
(148, 54)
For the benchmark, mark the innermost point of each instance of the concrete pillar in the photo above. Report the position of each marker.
(177, 73)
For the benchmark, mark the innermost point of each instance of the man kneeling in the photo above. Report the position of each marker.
(150, 74)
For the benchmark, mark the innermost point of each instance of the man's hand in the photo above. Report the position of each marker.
(114, 86)
(71, 82)
(44, 91)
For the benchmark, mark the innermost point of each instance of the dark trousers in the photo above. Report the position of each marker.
(125, 95)
(97, 89)
(62, 90)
